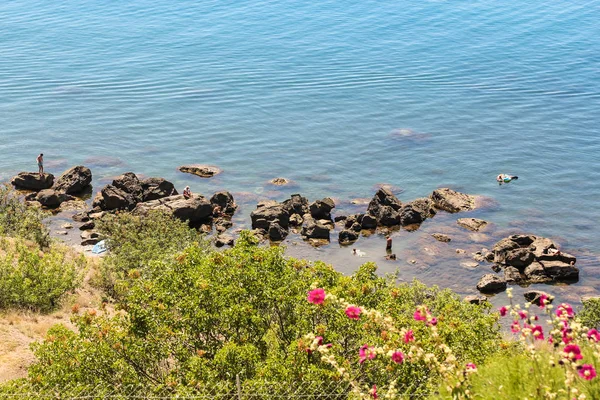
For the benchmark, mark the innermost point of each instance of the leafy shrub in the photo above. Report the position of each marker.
(19, 220)
(590, 313)
(136, 242)
(206, 316)
(35, 280)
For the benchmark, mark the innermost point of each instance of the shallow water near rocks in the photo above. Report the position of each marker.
(336, 96)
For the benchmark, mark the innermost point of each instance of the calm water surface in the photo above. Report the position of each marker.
(338, 96)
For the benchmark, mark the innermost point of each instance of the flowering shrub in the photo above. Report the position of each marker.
(558, 357)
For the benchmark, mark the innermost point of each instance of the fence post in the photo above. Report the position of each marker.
(239, 386)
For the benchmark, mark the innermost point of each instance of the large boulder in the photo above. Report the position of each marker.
(388, 216)
(536, 273)
(267, 212)
(490, 283)
(74, 180)
(48, 198)
(368, 222)
(224, 200)
(560, 271)
(157, 188)
(452, 201)
(519, 258)
(383, 197)
(129, 183)
(297, 204)
(321, 209)
(315, 230)
(410, 216)
(276, 232)
(195, 210)
(33, 181)
(123, 193)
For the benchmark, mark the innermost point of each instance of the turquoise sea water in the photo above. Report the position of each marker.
(338, 96)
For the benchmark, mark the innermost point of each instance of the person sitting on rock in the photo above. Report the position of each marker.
(504, 178)
(40, 162)
(218, 212)
(187, 192)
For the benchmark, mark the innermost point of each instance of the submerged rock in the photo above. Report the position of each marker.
(472, 224)
(440, 237)
(203, 171)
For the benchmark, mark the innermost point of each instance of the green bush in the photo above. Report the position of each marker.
(203, 317)
(35, 280)
(135, 242)
(19, 220)
(590, 313)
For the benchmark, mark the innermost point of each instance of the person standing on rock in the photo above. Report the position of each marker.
(40, 162)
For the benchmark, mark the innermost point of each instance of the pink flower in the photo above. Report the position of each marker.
(587, 372)
(316, 296)
(550, 340)
(542, 301)
(374, 392)
(433, 321)
(409, 336)
(503, 310)
(365, 352)
(470, 367)
(515, 327)
(537, 332)
(353, 312)
(565, 310)
(419, 317)
(319, 340)
(572, 352)
(594, 335)
(522, 314)
(398, 357)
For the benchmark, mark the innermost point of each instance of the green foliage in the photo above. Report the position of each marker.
(590, 313)
(35, 280)
(207, 316)
(19, 220)
(135, 242)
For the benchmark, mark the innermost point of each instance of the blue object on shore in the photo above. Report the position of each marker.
(100, 247)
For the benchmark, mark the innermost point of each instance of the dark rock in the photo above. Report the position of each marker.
(369, 222)
(89, 242)
(224, 200)
(129, 183)
(222, 224)
(423, 206)
(195, 210)
(388, 216)
(74, 180)
(203, 171)
(224, 240)
(496, 268)
(112, 198)
(519, 258)
(315, 230)
(511, 274)
(540, 246)
(472, 224)
(340, 218)
(81, 217)
(321, 209)
(557, 256)
(89, 235)
(356, 227)
(157, 188)
(559, 271)
(87, 226)
(383, 197)
(490, 283)
(533, 296)
(48, 198)
(297, 204)
(536, 273)
(441, 237)
(267, 212)
(505, 245)
(32, 181)
(276, 232)
(347, 236)
(452, 201)
(391, 257)
(296, 220)
(522, 240)
(475, 299)
(350, 220)
(410, 216)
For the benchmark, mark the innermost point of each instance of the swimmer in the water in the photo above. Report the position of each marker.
(504, 178)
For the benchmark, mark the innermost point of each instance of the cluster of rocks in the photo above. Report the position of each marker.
(128, 193)
(273, 219)
(532, 296)
(51, 193)
(526, 259)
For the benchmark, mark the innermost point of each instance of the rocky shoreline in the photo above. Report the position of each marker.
(517, 259)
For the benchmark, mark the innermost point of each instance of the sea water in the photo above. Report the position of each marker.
(337, 96)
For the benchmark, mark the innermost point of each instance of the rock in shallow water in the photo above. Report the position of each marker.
(33, 181)
(490, 283)
(203, 171)
(472, 224)
(452, 201)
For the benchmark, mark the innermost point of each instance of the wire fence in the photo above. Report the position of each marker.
(237, 390)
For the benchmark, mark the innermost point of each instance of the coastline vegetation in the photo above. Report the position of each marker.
(179, 317)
